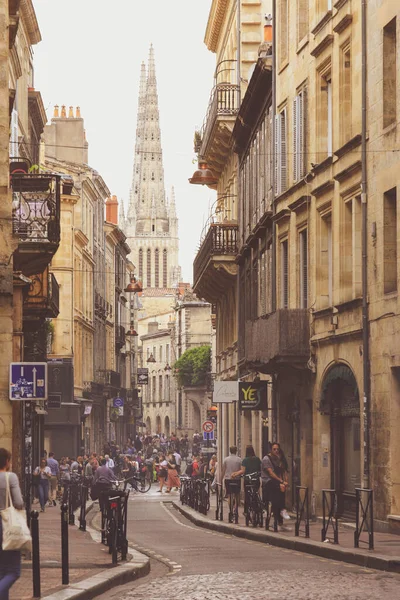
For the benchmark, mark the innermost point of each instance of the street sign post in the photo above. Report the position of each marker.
(28, 381)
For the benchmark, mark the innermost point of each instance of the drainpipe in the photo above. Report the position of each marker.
(364, 193)
(274, 404)
(240, 218)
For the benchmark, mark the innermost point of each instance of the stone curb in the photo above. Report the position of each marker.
(137, 566)
(330, 551)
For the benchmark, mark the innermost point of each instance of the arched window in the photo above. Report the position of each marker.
(165, 268)
(157, 268)
(148, 267)
(141, 264)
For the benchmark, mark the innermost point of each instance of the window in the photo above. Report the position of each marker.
(390, 241)
(345, 95)
(157, 267)
(167, 353)
(284, 274)
(324, 116)
(303, 268)
(167, 389)
(14, 148)
(141, 264)
(389, 73)
(154, 389)
(160, 388)
(325, 266)
(161, 353)
(283, 31)
(299, 136)
(165, 268)
(154, 352)
(350, 249)
(148, 352)
(302, 19)
(280, 153)
(148, 267)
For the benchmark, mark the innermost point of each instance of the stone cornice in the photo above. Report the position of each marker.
(30, 22)
(214, 24)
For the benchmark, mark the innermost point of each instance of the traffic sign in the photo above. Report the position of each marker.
(208, 436)
(118, 402)
(142, 376)
(28, 381)
(208, 426)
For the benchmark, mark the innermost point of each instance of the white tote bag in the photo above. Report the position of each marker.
(16, 534)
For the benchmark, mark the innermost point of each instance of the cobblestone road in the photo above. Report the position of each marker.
(277, 585)
(205, 565)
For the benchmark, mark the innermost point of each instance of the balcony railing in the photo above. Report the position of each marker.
(282, 336)
(224, 101)
(36, 219)
(221, 239)
(43, 297)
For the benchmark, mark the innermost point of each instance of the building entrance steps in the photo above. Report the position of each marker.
(385, 556)
(90, 566)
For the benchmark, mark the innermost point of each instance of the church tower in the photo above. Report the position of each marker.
(151, 225)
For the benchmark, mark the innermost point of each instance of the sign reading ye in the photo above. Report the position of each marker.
(253, 395)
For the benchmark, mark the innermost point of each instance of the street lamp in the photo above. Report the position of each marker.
(151, 359)
(167, 367)
(133, 287)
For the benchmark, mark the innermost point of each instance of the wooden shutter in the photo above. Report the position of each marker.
(283, 143)
(277, 155)
(302, 126)
(296, 124)
(284, 274)
(303, 269)
(14, 147)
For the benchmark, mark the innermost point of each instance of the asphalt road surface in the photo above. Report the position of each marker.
(190, 563)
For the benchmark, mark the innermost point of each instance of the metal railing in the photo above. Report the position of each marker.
(329, 515)
(36, 207)
(364, 517)
(220, 239)
(224, 101)
(302, 511)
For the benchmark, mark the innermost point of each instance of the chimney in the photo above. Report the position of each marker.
(56, 112)
(78, 112)
(152, 327)
(63, 112)
(71, 112)
(112, 210)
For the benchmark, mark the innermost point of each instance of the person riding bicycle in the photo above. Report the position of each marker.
(250, 464)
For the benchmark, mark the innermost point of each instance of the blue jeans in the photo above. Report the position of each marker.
(10, 568)
(43, 489)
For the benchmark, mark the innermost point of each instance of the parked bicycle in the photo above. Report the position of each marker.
(137, 482)
(254, 505)
(233, 490)
(114, 522)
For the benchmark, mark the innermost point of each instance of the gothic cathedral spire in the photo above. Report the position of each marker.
(150, 229)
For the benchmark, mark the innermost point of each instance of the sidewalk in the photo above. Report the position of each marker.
(89, 563)
(385, 556)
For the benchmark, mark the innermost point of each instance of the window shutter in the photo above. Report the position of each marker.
(283, 161)
(277, 156)
(285, 274)
(14, 148)
(302, 125)
(303, 269)
(296, 124)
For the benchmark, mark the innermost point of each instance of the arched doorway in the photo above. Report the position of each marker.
(148, 424)
(167, 427)
(341, 402)
(158, 425)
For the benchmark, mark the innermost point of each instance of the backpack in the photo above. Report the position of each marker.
(189, 470)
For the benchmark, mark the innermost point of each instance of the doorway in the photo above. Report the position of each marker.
(340, 400)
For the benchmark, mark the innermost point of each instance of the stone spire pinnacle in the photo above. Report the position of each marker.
(137, 161)
(172, 204)
(121, 215)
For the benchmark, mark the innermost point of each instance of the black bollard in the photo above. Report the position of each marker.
(35, 553)
(71, 500)
(82, 517)
(64, 545)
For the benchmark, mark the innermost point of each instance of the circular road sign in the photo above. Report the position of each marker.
(208, 426)
(118, 402)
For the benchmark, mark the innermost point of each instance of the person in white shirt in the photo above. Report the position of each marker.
(43, 474)
(109, 462)
(178, 460)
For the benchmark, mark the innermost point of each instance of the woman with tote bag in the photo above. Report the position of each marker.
(10, 560)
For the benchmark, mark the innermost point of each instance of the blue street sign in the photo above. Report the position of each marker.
(208, 436)
(118, 402)
(28, 381)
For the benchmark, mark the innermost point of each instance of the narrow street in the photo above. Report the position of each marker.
(200, 565)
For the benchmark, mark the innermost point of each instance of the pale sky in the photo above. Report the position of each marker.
(90, 56)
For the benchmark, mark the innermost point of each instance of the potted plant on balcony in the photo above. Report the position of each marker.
(197, 141)
(33, 181)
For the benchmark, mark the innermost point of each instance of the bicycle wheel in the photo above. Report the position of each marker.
(143, 485)
(113, 540)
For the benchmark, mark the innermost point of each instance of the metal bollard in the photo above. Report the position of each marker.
(71, 492)
(64, 545)
(34, 520)
(82, 516)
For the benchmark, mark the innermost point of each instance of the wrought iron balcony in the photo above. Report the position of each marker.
(119, 335)
(280, 337)
(43, 296)
(36, 220)
(214, 265)
(218, 125)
